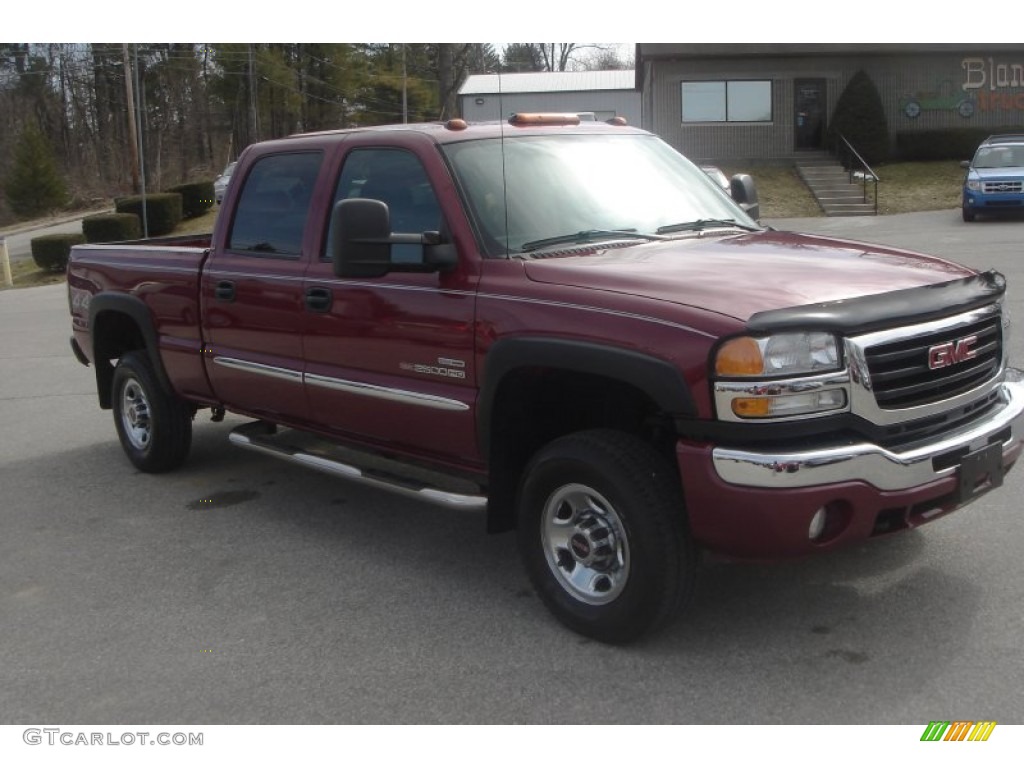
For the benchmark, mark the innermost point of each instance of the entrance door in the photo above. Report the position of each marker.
(809, 113)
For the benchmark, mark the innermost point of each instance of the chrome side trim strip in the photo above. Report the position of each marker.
(351, 387)
(287, 374)
(867, 462)
(386, 393)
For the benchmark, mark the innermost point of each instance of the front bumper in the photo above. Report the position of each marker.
(883, 469)
(759, 503)
(980, 201)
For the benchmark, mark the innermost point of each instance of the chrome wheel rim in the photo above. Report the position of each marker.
(585, 544)
(135, 415)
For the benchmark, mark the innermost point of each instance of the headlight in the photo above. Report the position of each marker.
(974, 186)
(784, 354)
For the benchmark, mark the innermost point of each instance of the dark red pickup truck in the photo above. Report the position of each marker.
(571, 328)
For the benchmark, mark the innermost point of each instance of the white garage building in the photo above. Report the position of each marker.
(606, 94)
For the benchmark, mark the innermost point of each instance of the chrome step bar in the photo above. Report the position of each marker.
(256, 436)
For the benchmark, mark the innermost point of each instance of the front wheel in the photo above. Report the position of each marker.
(154, 426)
(603, 535)
(968, 213)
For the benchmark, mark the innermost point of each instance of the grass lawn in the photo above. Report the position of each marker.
(26, 274)
(909, 187)
(780, 191)
(902, 188)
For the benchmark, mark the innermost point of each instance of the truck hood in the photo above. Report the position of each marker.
(741, 275)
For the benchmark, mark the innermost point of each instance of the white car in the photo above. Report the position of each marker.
(220, 184)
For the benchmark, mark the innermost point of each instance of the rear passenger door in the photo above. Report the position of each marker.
(252, 293)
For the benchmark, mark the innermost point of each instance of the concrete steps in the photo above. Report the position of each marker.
(830, 184)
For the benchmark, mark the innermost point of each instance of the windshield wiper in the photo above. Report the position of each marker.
(588, 236)
(702, 224)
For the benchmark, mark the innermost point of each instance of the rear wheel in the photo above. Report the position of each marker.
(603, 535)
(154, 426)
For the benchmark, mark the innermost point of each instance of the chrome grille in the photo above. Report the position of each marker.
(902, 373)
(1000, 187)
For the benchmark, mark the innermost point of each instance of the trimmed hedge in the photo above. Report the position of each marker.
(860, 117)
(111, 227)
(196, 198)
(50, 252)
(944, 143)
(163, 211)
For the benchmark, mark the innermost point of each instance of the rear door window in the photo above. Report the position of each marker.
(270, 219)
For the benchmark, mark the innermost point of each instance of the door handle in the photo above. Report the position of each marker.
(319, 299)
(225, 291)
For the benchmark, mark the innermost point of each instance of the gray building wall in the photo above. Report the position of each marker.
(934, 81)
(623, 103)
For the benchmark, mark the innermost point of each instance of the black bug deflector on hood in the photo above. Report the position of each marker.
(869, 313)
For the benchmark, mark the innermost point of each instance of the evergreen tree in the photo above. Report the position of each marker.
(860, 117)
(34, 186)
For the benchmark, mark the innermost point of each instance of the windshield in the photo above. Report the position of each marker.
(1000, 157)
(593, 186)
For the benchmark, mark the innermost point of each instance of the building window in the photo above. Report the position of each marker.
(727, 101)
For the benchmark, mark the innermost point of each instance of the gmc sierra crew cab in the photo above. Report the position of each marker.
(571, 328)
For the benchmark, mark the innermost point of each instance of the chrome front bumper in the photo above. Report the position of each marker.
(870, 463)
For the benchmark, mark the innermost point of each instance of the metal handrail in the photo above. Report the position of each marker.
(849, 166)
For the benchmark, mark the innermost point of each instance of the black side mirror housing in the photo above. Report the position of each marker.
(744, 191)
(361, 240)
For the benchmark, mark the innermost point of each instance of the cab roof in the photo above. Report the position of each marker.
(461, 130)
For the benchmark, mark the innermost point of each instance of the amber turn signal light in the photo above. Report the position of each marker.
(739, 357)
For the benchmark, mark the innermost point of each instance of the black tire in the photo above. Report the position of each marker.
(603, 535)
(154, 426)
(967, 213)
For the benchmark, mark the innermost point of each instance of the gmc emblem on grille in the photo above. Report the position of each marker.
(952, 352)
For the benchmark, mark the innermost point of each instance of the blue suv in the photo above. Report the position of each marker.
(995, 177)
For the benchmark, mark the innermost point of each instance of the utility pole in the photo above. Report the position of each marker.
(142, 149)
(133, 135)
(405, 96)
(253, 122)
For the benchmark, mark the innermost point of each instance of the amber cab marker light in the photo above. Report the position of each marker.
(617, 120)
(456, 124)
(544, 118)
(739, 357)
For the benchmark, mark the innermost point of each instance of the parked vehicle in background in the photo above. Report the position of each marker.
(994, 182)
(220, 184)
(717, 175)
(565, 326)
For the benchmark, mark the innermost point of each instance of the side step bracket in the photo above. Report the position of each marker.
(311, 451)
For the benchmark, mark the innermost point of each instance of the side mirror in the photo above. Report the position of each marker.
(360, 238)
(965, 163)
(744, 192)
(361, 241)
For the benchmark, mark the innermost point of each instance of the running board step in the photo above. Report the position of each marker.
(310, 451)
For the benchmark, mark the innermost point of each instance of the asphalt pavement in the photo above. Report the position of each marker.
(243, 590)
